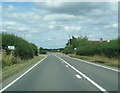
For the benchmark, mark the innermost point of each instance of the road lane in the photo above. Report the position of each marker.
(108, 79)
(51, 75)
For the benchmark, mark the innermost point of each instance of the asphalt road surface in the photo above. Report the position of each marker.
(61, 73)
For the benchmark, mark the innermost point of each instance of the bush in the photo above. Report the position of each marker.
(109, 49)
(43, 52)
(86, 48)
(23, 48)
(8, 60)
(69, 49)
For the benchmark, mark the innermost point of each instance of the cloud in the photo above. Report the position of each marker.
(51, 26)
(47, 23)
(111, 26)
(11, 8)
(59, 17)
(115, 25)
(76, 8)
(16, 27)
(72, 28)
(9, 23)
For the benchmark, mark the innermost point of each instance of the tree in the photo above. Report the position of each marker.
(75, 43)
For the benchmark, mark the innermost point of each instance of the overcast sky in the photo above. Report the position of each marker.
(49, 24)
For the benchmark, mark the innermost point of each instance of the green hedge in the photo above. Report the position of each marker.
(88, 48)
(23, 48)
(109, 49)
(43, 52)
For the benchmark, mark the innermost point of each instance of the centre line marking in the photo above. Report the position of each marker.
(83, 75)
(78, 76)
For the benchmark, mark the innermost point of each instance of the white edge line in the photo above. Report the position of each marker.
(21, 75)
(95, 64)
(91, 81)
(78, 76)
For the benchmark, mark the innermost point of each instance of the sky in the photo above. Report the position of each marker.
(49, 24)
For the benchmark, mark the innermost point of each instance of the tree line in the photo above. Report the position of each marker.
(45, 50)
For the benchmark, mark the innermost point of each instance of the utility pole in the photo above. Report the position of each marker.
(38, 52)
(69, 40)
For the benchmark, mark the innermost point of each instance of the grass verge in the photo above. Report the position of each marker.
(99, 59)
(14, 69)
(0, 67)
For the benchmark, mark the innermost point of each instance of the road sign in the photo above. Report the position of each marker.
(75, 48)
(11, 47)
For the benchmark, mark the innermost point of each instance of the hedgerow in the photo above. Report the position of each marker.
(86, 48)
(23, 48)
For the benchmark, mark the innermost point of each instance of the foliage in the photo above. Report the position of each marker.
(55, 50)
(69, 49)
(43, 52)
(23, 48)
(109, 49)
(0, 41)
(8, 60)
(86, 48)
(74, 43)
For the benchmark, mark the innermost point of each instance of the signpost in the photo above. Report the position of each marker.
(12, 48)
(75, 48)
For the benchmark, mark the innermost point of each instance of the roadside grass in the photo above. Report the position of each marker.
(0, 67)
(99, 59)
(8, 71)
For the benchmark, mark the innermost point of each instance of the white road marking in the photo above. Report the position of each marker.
(83, 75)
(21, 75)
(96, 64)
(78, 76)
(67, 66)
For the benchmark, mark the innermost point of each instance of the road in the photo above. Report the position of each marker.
(61, 73)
